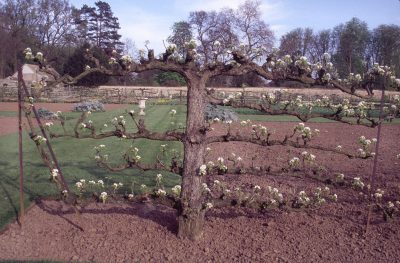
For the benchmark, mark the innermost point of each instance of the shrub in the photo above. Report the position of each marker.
(170, 79)
(46, 114)
(89, 106)
(212, 112)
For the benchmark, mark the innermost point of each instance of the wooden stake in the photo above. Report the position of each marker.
(21, 161)
(375, 165)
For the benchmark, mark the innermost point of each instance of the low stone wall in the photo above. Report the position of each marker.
(131, 94)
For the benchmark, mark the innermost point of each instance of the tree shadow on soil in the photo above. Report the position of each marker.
(14, 207)
(162, 215)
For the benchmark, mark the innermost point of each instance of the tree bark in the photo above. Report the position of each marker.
(191, 217)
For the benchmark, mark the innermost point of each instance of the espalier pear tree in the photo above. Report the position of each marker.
(193, 196)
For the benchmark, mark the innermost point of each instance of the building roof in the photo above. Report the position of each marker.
(32, 72)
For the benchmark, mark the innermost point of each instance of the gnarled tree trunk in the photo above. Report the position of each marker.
(191, 218)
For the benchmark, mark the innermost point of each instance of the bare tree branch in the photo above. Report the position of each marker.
(120, 132)
(284, 142)
(335, 115)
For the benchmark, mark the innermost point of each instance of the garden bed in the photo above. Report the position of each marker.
(145, 232)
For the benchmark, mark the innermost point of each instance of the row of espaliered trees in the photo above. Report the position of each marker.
(195, 138)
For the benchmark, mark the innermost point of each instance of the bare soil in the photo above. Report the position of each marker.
(137, 232)
(13, 106)
(9, 125)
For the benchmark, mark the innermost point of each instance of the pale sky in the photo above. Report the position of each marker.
(142, 20)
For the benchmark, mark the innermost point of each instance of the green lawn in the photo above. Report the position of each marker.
(76, 157)
(254, 115)
(8, 114)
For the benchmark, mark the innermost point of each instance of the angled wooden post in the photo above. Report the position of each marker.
(53, 156)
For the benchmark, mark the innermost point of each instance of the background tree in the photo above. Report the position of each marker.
(385, 46)
(252, 30)
(42, 24)
(352, 40)
(181, 34)
(18, 26)
(321, 44)
(129, 48)
(54, 23)
(99, 26)
(218, 32)
(298, 42)
(205, 24)
(55, 31)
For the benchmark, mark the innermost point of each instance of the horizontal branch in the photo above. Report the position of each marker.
(335, 116)
(119, 132)
(156, 136)
(285, 142)
(173, 168)
(243, 65)
(191, 70)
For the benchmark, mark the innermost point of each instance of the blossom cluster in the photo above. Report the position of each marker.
(318, 197)
(294, 162)
(308, 157)
(176, 190)
(305, 132)
(259, 130)
(266, 197)
(358, 183)
(365, 144)
(29, 55)
(99, 155)
(120, 120)
(132, 154)
(303, 64)
(38, 139)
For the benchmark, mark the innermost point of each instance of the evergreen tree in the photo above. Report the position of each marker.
(77, 63)
(99, 26)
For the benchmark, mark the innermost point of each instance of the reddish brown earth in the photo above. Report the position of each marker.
(10, 124)
(133, 232)
(13, 106)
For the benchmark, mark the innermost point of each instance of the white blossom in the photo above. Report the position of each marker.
(294, 162)
(209, 205)
(176, 190)
(103, 196)
(203, 169)
(358, 183)
(161, 192)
